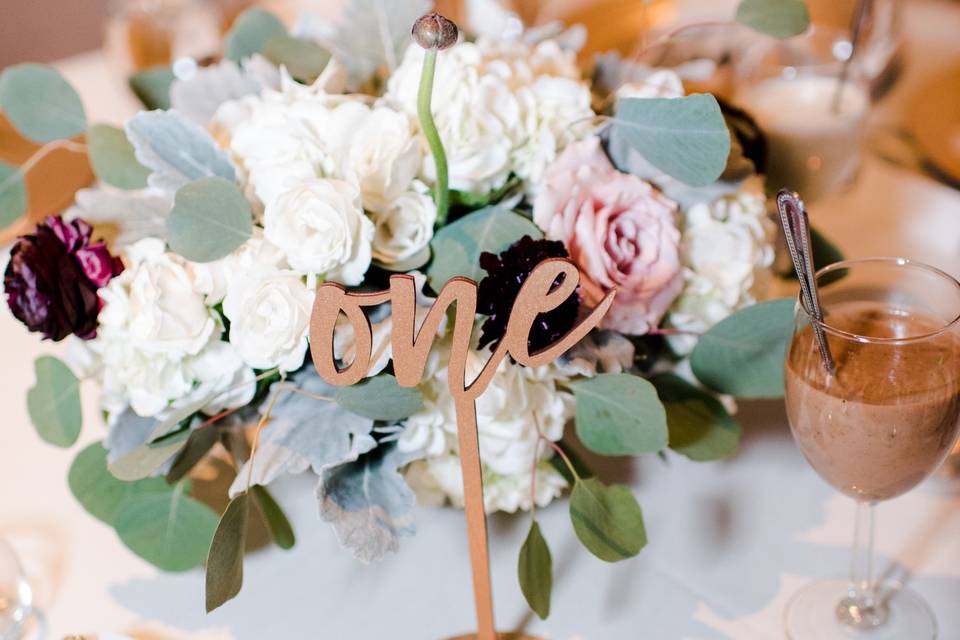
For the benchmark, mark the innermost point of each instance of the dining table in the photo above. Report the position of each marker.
(729, 541)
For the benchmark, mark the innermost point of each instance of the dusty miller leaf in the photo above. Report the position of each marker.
(199, 97)
(224, 576)
(124, 216)
(369, 503)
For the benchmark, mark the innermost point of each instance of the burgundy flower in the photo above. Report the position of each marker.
(499, 290)
(52, 279)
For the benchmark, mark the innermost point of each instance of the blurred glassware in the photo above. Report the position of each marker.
(16, 596)
(813, 121)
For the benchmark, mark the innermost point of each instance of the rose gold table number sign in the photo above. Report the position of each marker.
(410, 351)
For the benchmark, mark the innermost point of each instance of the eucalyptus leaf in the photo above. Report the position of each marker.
(139, 447)
(210, 218)
(700, 428)
(303, 59)
(40, 104)
(171, 530)
(742, 355)
(152, 87)
(53, 402)
(250, 33)
(535, 571)
(113, 160)
(175, 150)
(457, 246)
(777, 18)
(607, 520)
(619, 414)
(380, 398)
(197, 446)
(98, 491)
(13, 194)
(369, 503)
(224, 576)
(274, 518)
(687, 138)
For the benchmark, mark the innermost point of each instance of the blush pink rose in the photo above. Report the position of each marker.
(619, 230)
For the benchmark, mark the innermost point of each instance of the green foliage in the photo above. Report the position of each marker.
(40, 104)
(53, 402)
(687, 138)
(777, 18)
(145, 459)
(273, 516)
(111, 155)
(197, 446)
(304, 60)
(210, 218)
(700, 428)
(743, 354)
(619, 414)
(98, 491)
(380, 398)
(250, 33)
(13, 195)
(152, 87)
(535, 571)
(457, 246)
(171, 530)
(607, 520)
(225, 559)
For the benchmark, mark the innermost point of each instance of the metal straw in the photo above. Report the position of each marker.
(796, 228)
(861, 12)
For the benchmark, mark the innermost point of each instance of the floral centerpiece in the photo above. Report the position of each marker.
(347, 156)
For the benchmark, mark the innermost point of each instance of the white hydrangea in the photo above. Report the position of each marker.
(508, 412)
(727, 253)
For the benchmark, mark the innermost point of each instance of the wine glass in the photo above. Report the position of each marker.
(876, 426)
(16, 596)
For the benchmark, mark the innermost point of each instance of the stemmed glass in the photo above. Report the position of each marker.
(16, 597)
(875, 427)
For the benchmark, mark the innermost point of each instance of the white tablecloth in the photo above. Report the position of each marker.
(729, 542)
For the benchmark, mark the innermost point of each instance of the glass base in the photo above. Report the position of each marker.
(814, 613)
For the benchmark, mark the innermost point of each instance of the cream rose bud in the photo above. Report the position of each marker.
(322, 229)
(383, 156)
(405, 227)
(269, 312)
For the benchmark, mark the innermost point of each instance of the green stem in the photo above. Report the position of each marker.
(442, 190)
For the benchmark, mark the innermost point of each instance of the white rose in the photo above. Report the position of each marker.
(213, 278)
(269, 312)
(404, 228)
(383, 156)
(727, 251)
(321, 228)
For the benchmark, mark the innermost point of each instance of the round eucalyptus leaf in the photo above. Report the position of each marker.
(380, 398)
(619, 414)
(13, 195)
(98, 491)
(250, 33)
(152, 87)
(210, 218)
(607, 520)
(303, 59)
(777, 18)
(171, 531)
(742, 355)
(111, 155)
(40, 104)
(53, 402)
(700, 428)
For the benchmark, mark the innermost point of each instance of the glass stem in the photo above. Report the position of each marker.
(862, 608)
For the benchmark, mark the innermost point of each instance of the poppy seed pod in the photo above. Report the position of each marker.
(433, 31)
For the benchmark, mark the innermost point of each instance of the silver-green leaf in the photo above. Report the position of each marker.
(13, 195)
(113, 160)
(53, 402)
(742, 355)
(273, 516)
(686, 138)
(619, 414)
(171, 531)
(457, 246)
(777, 18)
(535, 571)
(380, 398)
(700, 428)
(250, 33)
(40, 104)
(152, 87)
(303, 59)
(225, 559)
(607, 520)
(210, 218)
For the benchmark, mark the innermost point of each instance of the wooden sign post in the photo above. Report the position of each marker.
(547, 286)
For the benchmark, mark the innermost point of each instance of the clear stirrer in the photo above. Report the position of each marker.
(796, 228)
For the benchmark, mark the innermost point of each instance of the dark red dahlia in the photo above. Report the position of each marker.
(52, 279)
(498, 291)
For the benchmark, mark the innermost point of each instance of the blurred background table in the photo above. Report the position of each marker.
(729, 543)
